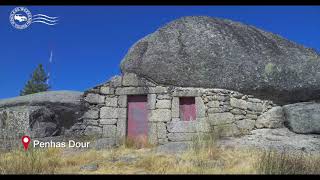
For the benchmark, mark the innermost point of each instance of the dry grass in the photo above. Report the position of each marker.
(285, 162)
(30, 162)
(137, 143)
(204, 157)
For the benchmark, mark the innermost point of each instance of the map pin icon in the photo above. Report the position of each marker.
(25, 141)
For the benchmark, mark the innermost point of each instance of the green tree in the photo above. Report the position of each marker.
(37, 82)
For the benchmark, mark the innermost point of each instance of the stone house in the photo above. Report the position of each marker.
(133, 106)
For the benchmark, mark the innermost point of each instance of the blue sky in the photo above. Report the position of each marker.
(90, 41)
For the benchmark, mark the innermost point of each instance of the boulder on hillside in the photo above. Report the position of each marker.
(200, 51)
(303, 118)
(42, 114)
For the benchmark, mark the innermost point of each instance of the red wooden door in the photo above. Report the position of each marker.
(187, 108)
(137, 118)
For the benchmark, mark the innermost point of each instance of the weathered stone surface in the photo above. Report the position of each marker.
(221, 118)
(175, 107)
(227, 130)
(200, 107)
(187, 92)
(122, 113)
(273, 118)
(79, 126)
(213, 104)
(91, 114)
(111, 102)
(188, 126)
(181, 136)
(115, 81)
(254, 100)
(107, 121)
(239, 117)
(160, 115)
(237, 95)
(200, 51)
(152, 133)
(238, 103)
(121, 130)
(131, 90)
(109, 131)
(203, 125)
(163, 104)
(252, 116)
(131, 79)
(42, 98)
(45, 121)
(244, 97)
(14, 122)
(157, 90)
(280, 139)
(106, 90)
(122, 101)
(258, 107)
(44, 129)
(225, 103)
(108, 113)
(164, 96)
(220, 97)
(217, 110)
(91, 122)
(94, 98)
(237, 111)
(303, 117)
(221, 91)
(162, 130)
(93, 131)
(181, 126)
(152, 101)
(163, 141)
(245, 125)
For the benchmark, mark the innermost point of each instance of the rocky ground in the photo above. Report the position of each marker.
(279, 139)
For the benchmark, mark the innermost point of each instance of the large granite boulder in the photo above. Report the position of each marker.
(202, 51)
(303, 118)
(40, 115)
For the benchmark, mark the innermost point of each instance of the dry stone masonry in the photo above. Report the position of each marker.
(230, 111)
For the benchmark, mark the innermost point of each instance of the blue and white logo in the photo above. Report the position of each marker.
(21, 18)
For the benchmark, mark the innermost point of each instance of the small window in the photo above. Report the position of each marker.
(187, 108)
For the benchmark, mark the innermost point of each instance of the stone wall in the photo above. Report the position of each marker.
(232, 112)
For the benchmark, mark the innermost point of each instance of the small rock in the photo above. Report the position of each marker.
(128, 159)
(89, 167)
